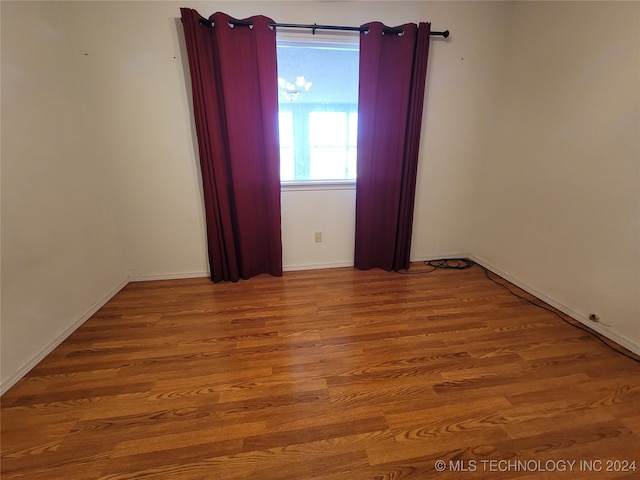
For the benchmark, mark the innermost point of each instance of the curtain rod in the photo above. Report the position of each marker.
(315, 27)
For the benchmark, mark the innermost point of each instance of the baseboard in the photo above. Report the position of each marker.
(580, 317)
(285, 268)
(12, 379)
(170, 276)
(320, 266)
(315, 266)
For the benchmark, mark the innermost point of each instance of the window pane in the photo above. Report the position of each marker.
(287, 163)
(318, 73)
(328, 163)
(351, 163)
(353, 129)
(286, 128)
(318, 101)
(328, 129)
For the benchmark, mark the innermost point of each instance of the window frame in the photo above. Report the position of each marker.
(331, 39)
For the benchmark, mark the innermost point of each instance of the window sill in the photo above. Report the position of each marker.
(313, 185)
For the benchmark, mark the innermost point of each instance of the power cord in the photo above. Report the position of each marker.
(447, 263)
(451, 264)
(465, 264)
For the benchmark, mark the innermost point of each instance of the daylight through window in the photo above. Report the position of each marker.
(318, 110)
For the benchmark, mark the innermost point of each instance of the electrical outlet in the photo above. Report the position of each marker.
(594, 317)
(318, 237)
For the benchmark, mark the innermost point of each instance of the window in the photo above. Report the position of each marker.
(318, 110)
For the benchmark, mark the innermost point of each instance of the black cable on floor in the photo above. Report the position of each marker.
(447, 263)
(465, 264)
(562, 317)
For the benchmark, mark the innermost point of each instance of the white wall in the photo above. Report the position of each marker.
(333, 216)
(61, 239)
(141, 66)
(558, 208)
(461, 93)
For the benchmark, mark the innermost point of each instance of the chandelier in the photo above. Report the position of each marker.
(292, 90)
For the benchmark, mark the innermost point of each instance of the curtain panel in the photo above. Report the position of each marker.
(393, 72)
(234, 87)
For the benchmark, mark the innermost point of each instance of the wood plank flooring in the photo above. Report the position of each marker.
(326, 374)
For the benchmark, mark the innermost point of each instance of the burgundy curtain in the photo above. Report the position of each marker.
(234, 84)
(393, 72)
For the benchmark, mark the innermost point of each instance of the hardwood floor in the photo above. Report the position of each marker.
(326, 374)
